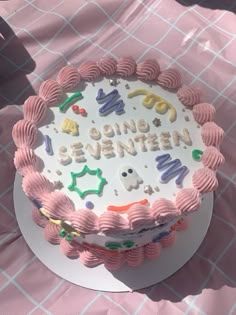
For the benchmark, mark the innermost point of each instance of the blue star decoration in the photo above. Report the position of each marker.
(87, 170)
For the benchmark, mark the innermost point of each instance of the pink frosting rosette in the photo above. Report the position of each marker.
(139, 215)
(212, 158)
(164, 210)
(58, 205)
(89, 71)
(188, 95)
(35, 185)
(51, 233)
(152, 250)
(68, 78)
(25, 161)
(24, 133)
(110, 222)
(181, 224)
(170, 79)
(38, 218)
(84, 220)
(51, 92)
(205, 180)
(148, 70)
(107, 65)
(134, 257)
(126, 67)
(114, 262)
(203, 113)
(212, 135)
(168, 240)
(34, 109)
(89, 259)
(69, 249)
(188, 200)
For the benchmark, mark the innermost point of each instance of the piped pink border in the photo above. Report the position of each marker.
(51, 93)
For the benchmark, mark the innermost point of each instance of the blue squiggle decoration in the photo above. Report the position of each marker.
(110, 102)
(172, 169)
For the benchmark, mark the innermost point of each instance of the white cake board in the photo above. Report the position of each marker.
(99, 278)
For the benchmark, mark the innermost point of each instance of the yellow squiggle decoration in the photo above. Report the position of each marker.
(160, 104)
(72, 231)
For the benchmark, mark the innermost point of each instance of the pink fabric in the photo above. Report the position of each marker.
(199, 42)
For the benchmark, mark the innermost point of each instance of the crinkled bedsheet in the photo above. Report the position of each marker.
(37, 38)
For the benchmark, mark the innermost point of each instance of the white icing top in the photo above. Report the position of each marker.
(114, 134)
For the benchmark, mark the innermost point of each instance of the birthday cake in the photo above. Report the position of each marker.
(115, 156)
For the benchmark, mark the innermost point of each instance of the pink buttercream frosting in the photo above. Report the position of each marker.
(110, 222)
(152, 250)
(126, 67)
(203, 113)
(107, 65)
(139, 215)
(89, 71)
(84, 220)
(170, 79)
(68, 78)
(114, 262)
(148, 70)
(135, 257)
(204, 179)
(164, 210)
(212, 158)
(38, 218)
(188, 95)
(89, 259)
(169, 240)
(188, 200)
(212, 135)
(58, 205)
(70, 249)
(25, 161)
(51, 92)
(182, 224)
(34, 109)
(51, 233)
(36, 185)
(24, 133)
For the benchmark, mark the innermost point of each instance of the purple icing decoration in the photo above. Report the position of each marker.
(172, 169)
(110, 102)
(89, 205)
(37, 203)
(48, 145)
(102, 97)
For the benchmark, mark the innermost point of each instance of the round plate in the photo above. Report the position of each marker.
(99, 278)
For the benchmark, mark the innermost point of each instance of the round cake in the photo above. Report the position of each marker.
(114, 156)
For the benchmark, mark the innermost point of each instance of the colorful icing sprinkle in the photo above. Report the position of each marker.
(156, 122)
(128, 244)
(89, 205)
(157, 238)
(48, 145)
(87, 170)
(113, 245)
(75, 109)
(62, 233)
(148, 189)
(172, 169)
(74, 96)
(197, 154)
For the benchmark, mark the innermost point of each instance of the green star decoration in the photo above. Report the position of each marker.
(87, 170)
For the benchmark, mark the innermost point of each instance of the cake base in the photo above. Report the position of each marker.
(99, 278)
